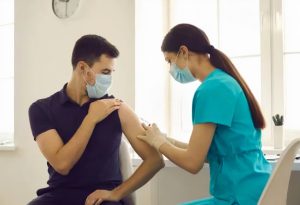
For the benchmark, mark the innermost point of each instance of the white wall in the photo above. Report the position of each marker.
(43, 46)
(173, 186)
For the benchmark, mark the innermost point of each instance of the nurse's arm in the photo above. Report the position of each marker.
(152, 160)
(177, 143)
(193, 157)
(180, 144)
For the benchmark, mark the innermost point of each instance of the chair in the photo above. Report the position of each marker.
(126, 169)
(275, 192)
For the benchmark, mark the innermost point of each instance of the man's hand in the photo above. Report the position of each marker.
(100, 109)
(153, 136)
(98, 196)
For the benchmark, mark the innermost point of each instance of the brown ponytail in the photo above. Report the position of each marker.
(220, 60)
(196, 40)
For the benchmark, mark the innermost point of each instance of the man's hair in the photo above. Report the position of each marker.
(90, 47)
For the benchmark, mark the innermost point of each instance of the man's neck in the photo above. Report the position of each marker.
(75, 91)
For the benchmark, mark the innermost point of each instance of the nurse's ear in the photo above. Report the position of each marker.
(184, 51)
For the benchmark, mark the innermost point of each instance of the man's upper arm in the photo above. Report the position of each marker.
(49, 143)
(132, 127)
(39, 119)
(44, 132)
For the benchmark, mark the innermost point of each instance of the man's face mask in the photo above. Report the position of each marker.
(101, 86)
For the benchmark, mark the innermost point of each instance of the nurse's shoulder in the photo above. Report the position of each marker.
(220, 82)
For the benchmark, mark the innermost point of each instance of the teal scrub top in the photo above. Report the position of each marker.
(238, 169)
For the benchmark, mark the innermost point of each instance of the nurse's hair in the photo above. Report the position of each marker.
(197, 41)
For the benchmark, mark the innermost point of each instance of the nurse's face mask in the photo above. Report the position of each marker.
(181, 75)
(101, 85)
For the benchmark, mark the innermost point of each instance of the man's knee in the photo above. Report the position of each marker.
(40, 201)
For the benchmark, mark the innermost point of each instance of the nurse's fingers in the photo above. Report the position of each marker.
(146, 127)
(142, 137)
(154, 125)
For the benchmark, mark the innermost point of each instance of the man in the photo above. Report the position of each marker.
(79, 128)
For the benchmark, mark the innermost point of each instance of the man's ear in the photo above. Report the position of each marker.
(81, 67)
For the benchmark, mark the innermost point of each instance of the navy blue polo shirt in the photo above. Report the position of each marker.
(98, 167)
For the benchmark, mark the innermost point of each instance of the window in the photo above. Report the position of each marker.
(291, 59)
(150, 75)
(261, 38)
(233, 27)
(6, 71)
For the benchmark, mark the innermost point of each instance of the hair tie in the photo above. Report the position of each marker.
(210, 49)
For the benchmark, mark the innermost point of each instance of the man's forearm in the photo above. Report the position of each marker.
(141, 176)
(71, 152)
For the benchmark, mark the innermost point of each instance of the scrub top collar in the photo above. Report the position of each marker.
(213, 73)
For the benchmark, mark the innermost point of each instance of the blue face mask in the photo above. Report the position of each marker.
(181, 75)
(99, 89)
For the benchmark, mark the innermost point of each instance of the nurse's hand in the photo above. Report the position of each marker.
(153, 136)
(99, 196)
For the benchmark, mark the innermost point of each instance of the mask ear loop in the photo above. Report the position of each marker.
(187, 62)
(187, 59)
(177, 56)
(85, 78)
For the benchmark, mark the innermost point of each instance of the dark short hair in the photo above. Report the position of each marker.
(90, 47)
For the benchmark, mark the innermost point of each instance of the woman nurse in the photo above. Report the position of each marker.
(227, 121)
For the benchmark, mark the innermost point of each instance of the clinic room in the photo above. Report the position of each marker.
(149, 102)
